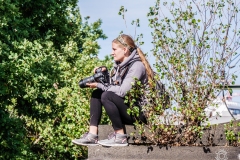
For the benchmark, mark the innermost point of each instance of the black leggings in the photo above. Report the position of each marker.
(115, 108)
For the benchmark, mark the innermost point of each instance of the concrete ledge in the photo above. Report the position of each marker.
(171, 153)
(212, 146)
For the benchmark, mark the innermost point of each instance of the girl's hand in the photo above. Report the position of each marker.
(92, 85)
(103, 69)
(94, 70)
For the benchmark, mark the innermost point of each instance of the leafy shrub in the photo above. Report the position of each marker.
(195, 43)
(45, 49)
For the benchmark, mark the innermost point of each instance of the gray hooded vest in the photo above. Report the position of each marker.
(137, 70)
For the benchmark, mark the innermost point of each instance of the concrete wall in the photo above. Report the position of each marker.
(212, 146)
(156, 152)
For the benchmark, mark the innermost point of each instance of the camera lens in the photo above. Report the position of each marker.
(82, 83)
(99, 76)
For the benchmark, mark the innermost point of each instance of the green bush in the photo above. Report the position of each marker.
(45, 49)
(194, 43)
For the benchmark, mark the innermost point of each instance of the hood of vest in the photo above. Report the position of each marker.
(133, 57)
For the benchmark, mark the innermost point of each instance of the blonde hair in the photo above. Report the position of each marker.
(127, 41)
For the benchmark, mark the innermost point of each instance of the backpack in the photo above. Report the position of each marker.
(160, 87)
(161, 92)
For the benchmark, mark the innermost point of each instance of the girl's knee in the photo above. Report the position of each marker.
(97, 93)
(106, 96)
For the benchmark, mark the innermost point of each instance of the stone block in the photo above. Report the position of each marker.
(164, 153)
(212, 146)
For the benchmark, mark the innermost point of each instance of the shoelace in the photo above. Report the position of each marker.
(111, 135)
(85, 135)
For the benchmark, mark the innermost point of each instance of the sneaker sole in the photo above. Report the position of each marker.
(114, 145)
(85, 144)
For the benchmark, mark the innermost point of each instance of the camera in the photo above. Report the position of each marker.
(101, 75)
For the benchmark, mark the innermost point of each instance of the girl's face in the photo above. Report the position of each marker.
(119, 53)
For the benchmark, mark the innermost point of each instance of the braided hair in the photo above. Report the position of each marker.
(128, 42)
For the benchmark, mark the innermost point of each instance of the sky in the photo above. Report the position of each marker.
(113, 24)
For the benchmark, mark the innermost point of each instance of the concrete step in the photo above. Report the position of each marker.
(162, 153)
(213, 145)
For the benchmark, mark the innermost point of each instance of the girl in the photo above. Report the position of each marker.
(130, 63)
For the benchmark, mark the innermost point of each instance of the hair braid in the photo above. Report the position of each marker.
(149, 70)
(127, 41)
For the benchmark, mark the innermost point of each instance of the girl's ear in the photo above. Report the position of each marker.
(126, 51)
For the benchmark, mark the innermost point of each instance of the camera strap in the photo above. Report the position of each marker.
(123, 73)
(127, 69)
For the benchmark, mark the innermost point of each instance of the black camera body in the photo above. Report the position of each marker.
(101, 75)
